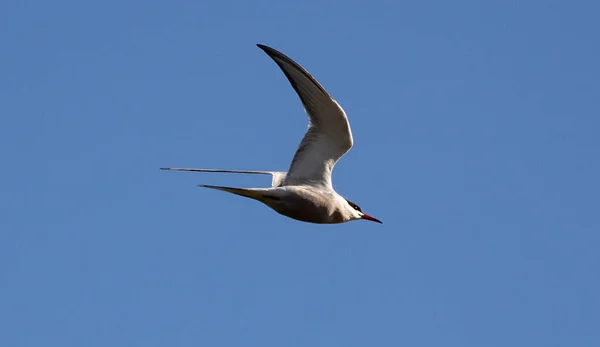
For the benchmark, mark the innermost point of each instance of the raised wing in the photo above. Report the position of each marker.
(329, 136)
(277, 177)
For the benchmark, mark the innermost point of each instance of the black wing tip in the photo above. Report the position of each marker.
(263, 47)
(277, 56)
(273, 53)
(269, 50)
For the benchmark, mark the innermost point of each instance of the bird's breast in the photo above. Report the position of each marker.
(309, 205)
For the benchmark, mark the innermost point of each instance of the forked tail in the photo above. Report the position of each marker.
(278, 177)
(259, 194)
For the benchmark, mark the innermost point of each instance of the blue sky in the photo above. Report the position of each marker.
(476, 142)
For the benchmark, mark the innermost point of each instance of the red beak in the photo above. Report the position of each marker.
(372, 219)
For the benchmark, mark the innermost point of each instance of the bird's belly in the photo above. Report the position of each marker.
(308, 212)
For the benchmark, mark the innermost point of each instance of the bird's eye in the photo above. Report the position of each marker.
(354, 206)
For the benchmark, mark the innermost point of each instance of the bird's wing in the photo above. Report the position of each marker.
(329, 136)
(277, 181)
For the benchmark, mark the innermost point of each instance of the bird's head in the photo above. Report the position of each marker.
(356, 213)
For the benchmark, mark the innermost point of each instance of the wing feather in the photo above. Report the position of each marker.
(328, 137)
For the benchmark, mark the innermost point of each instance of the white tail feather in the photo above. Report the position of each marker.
(277, 180)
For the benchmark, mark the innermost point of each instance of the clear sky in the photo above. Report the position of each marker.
(476, 130)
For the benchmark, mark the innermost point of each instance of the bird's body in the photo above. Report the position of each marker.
(304, 202)
(305, 192)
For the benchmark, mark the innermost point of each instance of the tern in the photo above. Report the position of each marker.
(305, 192)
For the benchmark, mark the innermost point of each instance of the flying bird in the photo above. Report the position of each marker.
(305, 192)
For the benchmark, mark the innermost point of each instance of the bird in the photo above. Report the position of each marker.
(305, 192)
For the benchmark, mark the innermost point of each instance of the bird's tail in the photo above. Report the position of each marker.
(276, 181)
(264, 195)
(252, 193)
(217, 170)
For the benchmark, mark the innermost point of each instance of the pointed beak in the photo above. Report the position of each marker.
(372, 219)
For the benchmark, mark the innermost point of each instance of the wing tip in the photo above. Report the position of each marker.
(269, 50)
